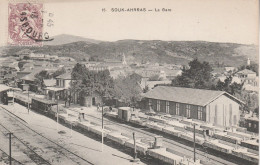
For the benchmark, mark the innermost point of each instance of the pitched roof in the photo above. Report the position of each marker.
(31, 76)
(66, 76)
(192, 96)
(246, 71)
(49, 82)
(4, 87)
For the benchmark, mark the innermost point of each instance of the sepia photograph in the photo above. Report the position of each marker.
(129, 82)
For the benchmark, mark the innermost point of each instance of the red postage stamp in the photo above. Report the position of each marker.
(25, 24)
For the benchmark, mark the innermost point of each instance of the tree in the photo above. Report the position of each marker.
(256, 111)
(86, 82)
(58, 72)
(228, 86)
(253, 67)
(26, 58)
(39, 77)
(198, 75)
(128, 89)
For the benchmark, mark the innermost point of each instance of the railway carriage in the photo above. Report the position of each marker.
(42, 105)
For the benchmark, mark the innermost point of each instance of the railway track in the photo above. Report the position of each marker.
(203, 155)
(5, 158)
(33, 151)
(36, 158)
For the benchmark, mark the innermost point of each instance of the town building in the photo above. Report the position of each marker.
(29, 79)
(246, 73)
(216, 107)
(230, 69)
(60, 90)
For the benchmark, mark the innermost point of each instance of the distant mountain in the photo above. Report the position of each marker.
(175, 52)
(65, 38)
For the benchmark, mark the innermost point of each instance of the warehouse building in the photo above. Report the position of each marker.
(216, 107)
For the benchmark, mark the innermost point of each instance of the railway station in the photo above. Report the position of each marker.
(233, 141)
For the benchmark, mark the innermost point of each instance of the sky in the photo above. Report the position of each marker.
(233, 21)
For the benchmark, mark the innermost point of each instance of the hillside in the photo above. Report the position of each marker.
(177, 52)
(65, 39)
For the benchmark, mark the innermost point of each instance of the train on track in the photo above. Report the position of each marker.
(225, 142)
(236, 141)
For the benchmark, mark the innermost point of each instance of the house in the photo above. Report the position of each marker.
(64, 80)
(246, 73)
(49, 82)
(251, 85)
(172, 73)
(60, 89)
(29, 79)
(216, 107)
(98, 67)
(37, 56)
(230, 69)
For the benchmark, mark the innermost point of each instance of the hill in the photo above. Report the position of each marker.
(176, 52)
(65, 38)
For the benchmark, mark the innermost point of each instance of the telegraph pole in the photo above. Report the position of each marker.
(10, 148)
(57, 125)
(135, 159)
(194, 143)
(102, 128)
(134, 146)
(28, 101)
(13, 96)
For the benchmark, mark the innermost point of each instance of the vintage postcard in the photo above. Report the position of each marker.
(118, 82)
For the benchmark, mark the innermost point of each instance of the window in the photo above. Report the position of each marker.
(255, 125)
(167, 106)
(235, 120)
(200, 113)
(216, 114)
(149, 103)
(158, 105)
(249, 125)
(188, 110)
(177, 109)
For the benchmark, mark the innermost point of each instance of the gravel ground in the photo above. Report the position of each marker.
(79, 144)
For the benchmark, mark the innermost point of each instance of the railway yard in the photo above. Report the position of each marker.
(174, 138)
(38, 142)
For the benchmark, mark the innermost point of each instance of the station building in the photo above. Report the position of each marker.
(216, 107)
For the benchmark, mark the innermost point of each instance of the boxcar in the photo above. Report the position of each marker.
(42, 105)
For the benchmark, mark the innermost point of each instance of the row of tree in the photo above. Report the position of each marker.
(86, 83)
(198, 75)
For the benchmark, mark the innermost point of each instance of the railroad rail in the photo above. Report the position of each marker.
(206, 155)
(36, 158)
(67, 153)
(166, 141)
(5, 157)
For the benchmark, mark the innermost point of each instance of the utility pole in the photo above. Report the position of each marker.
(102, 128)
(10, 148)
(194, 144)
(71, 128)
(57, 125)
(28, 101)
(134, 146)
(135, 153)
(13, 96)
